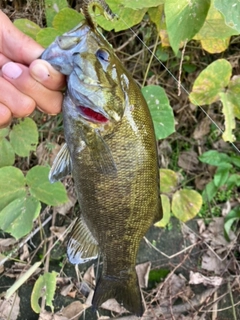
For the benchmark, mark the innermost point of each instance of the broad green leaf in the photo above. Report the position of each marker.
(4, 132)
(155, 15)
(46, 36)
(184, 19)
(7, 155)
(230, 9)
(24, 137)
(52, 194)
(28, 27)
(235, 159)
(168, 180)
(12, 185)
(186, 204)
(45, 286)
(160, 109)
(66, 20)
(233, 181)
(228, 112)
(141, 4)
(214, 158)
(215, 45)
(18, 216)
(221, 175)
(166, 212)
(126, 17)
(214, 27)
(234, 94)
(232, 216)
(52, 7)
(209, 192)
(210, 82)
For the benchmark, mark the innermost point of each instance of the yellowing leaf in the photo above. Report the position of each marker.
(166, 212)
(234, 94)
(211, 82)
(186, 204)
(155, 15)
(214, 26)
(168, 180)
(215, 45)
(228, 111)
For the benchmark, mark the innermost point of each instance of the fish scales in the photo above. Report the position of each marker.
(111, 152)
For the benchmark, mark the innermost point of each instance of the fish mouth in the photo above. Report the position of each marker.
(91, 115)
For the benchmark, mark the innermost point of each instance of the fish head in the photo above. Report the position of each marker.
(97, 82)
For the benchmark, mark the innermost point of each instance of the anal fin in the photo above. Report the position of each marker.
(82, 246)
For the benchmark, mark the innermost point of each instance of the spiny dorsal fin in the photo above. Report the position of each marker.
(61, 165)
(82, 246)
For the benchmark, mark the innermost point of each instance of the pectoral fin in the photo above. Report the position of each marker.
(82, 246)
(101, 154)
(61, 165)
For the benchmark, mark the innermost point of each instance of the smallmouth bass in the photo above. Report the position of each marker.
(111, 152)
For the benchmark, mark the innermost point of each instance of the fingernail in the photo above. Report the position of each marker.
(40, 72)
(11, 70)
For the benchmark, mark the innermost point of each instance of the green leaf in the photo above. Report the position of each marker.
(209, 192)
(184, 19)
(214, 158)
(52, 194)
(210, 82)
(24, 137)
(28, 27)
(12, 185)
(233, 181)
(234, 93)
(186, 204)
(230, 9)
(46, 36)
(221, 175)
(228, 112)
(141, 4)
(232, 216)
(18, 216)
(66, 20)
(168, 180)
(160, 109)
(7, 155)
(4, 132)
(166, 212)
(52, 7)
(126, 17)
(157, 276)
(235, 160)
(45, 286)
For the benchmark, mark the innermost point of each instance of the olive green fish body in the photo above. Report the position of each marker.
(111, 152)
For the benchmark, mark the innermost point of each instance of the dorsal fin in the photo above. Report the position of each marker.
(82, 246)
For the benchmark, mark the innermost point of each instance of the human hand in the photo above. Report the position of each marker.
(24, 81)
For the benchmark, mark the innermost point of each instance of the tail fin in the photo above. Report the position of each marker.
(125, 291)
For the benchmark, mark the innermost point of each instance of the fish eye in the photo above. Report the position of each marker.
(102, 55)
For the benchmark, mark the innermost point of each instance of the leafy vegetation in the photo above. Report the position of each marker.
(183, 30)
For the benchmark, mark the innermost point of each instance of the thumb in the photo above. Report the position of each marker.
(44, 73)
